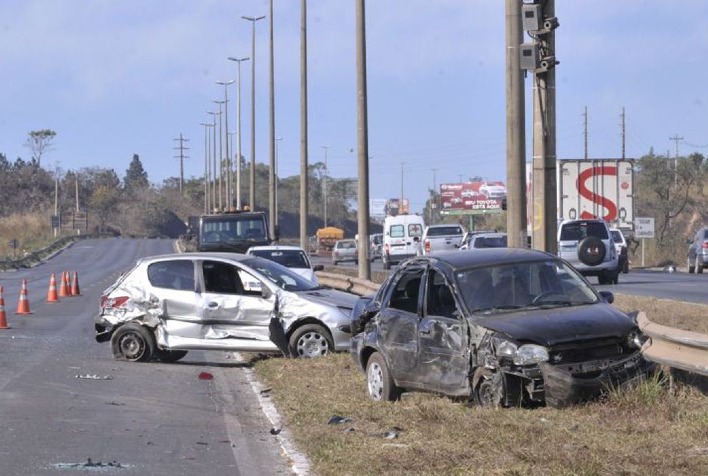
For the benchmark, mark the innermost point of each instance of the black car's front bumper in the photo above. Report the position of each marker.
(565, 387)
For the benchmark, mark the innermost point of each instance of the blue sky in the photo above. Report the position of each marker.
(118, 77)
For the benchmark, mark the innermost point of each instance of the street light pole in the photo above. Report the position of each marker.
(221, 155)
(213, 159)
(272, 193)
(206, 165)
(229, 190)
(252, 190)
(238, 131)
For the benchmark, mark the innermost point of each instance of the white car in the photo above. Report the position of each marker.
(491, 190)
(292, 257)
(485, 240)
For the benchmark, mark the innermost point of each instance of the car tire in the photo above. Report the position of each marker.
(356, 262)
(691, 269)
(165, 355)
(699, 267)
(591, 251)
(133, 342)
(386, 263)
(497, 389)
(379, 383)
(334, 263)
(310, 340)
(625, 266)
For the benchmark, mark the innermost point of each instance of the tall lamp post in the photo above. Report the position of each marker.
(207, 204)
(238, 131)
(252, 190)
(213, 159)
(227, 155)
(221, 155)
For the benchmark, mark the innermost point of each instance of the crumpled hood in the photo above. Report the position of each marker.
(329, 296)
(569, 324)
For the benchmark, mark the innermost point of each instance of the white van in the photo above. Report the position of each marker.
(402, 238)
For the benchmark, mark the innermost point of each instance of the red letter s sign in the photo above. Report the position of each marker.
(586, 193)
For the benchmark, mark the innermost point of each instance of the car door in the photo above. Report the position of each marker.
(443, 359)
(173, 287)
(233, 302)
(398, 323)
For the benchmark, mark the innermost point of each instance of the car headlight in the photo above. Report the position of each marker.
(526, 354)
(636, 339)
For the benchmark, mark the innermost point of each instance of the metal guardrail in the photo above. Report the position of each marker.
(676, 348)
(359, 286)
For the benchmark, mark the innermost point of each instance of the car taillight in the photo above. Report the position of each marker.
(386, 247)
(427, 246)
(113, 302)
(705, 245)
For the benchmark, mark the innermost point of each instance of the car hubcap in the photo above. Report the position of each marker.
(312, 344)
(375, 381)
(131, 347)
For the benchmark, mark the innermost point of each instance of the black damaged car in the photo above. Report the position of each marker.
(502, 326)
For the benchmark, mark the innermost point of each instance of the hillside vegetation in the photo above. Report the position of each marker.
(669, 190)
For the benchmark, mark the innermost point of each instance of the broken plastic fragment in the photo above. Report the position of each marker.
(275, 431)
(94, 377)
(336, 420)
(206, 376)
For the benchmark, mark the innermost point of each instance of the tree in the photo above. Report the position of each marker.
(135, 177)
(39, 142)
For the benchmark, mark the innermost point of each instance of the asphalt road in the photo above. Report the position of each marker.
(68, 406)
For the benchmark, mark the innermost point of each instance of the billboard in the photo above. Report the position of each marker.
(377, 207)
(472, 198)
(396, 206)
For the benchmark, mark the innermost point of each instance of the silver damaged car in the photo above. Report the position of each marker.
(170, 304)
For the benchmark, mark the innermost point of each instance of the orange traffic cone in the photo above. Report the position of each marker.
(3, 316)
(75, 285)
(52, 293)
(64, 286)
(23, 305)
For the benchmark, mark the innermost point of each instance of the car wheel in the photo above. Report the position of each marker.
(334, 263)
(625, 267)
(356, 262)
(379, 382)
(133, 342)
(691, 269)
(164, 355)
(591, 251)
(699, 266)
(490, 391)
(614, 278)
(310, 340)
(386, 263)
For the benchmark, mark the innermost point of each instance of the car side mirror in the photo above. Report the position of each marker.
(266, 293)
(607, 296)
(318, 267)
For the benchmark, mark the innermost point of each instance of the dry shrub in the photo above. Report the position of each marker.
(32, 231)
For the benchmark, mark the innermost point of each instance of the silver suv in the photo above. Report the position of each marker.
(588, 246)
(698, 252)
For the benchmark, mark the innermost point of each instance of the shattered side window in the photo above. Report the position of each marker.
(178, 275)
(439, 299)
(406, 291)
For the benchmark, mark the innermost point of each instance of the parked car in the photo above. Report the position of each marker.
(698, 251)
(485, 240)
(622, 251)
(468, 236)
(292, 257)
(170, 304)
(376, 245)
(501, 326)
(345, 250)
(442, 237)
(588, 246)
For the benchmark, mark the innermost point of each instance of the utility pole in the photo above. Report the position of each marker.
(363, 142)
(181, 158)
(433, 202)
(213, 161)
(623, 133)
(227, 156)
(400, 204)
(324, 183)
(221, 156)
(676, 140)
(303, 126)
(585, 132)
(516, 217)
(252, 190)
(539, 56)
